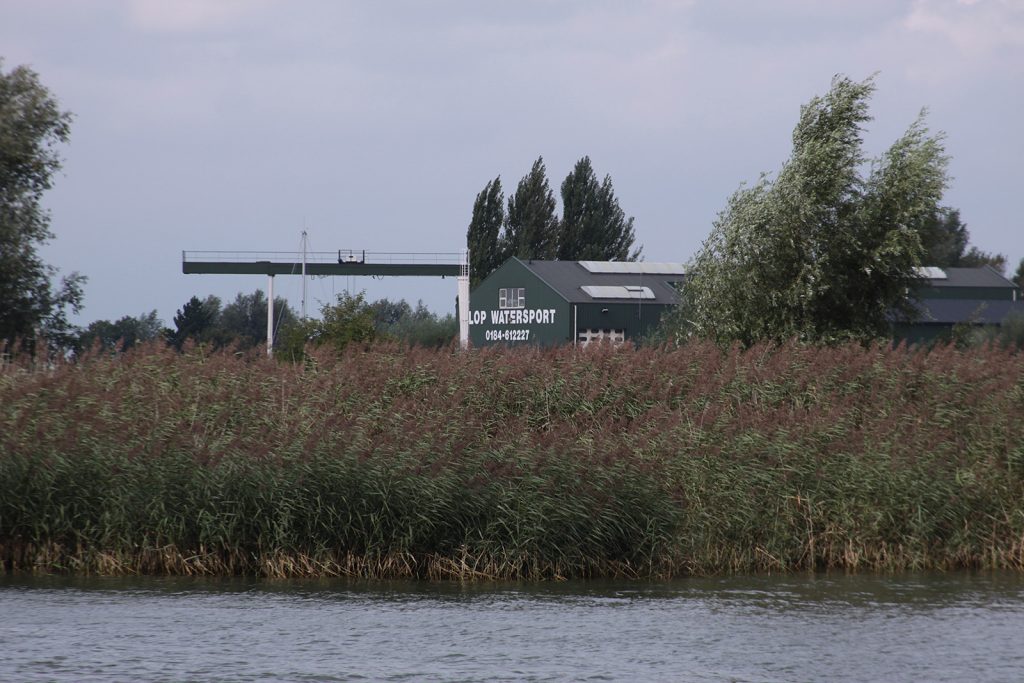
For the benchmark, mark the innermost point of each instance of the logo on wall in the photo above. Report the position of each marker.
(512, 311)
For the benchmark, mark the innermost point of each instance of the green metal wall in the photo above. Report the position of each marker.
(636, 319)
(989, 293)
(544, 320)
(922, 333)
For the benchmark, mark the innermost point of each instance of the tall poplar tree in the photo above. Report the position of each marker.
(484, 231)
(594, 226)
(531, 226)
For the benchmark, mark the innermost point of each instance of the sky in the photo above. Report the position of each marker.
(237, 124)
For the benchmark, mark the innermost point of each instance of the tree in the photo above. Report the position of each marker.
(1018, 277)
(244, 320)
(196, 321)
(416, 327)
(32, 126)
(484, 230)
(387, 313)
(821, 252)
(531, 226)
(944, 238)
(593, 226)
(347, 321)
(975, 258)
(122, 334)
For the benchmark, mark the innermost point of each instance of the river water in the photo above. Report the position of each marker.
(910, 627)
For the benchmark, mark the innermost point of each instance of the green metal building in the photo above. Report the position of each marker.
(959, 296)
(548, 303)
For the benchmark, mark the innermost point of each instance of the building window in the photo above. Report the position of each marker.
(512, 297)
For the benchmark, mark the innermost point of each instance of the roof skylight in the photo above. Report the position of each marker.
(617, 292)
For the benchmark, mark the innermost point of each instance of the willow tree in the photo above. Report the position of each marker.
(827, 249)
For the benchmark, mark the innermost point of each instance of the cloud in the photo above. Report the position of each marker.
(191, 15)
(976, 29)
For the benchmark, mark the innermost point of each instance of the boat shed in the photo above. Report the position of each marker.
(548, 303)
(949, 297)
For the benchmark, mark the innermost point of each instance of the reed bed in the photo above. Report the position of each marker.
(525, 464)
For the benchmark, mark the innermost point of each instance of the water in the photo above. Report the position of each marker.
(934, 627)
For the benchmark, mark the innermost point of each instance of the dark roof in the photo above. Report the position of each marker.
(567, 277)
(979, 311)
(985, 276)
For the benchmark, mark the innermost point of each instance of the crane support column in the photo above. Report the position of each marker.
(270, 315)
(464, 301)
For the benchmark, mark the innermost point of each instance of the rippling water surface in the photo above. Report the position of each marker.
(921, 627)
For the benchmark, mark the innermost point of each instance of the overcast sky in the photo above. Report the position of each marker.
(234, 124)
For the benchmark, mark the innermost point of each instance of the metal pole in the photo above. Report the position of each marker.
(270, 315)
(303, 274)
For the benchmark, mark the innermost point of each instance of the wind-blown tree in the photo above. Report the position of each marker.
(484, 230)
(121, 334)
(531, 225)
(593, 226)
(32, 126)
(820, 252)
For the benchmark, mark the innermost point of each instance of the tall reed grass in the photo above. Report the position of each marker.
(394, 462)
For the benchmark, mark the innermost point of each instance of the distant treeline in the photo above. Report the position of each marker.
(387, 461)
(242, 325)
